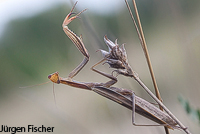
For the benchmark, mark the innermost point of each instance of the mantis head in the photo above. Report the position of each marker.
(54, 77)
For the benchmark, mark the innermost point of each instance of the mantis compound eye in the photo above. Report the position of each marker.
(58, 81)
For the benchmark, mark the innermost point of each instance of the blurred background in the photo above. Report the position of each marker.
(33, 45)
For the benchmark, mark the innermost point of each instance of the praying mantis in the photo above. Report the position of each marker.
(116, 57)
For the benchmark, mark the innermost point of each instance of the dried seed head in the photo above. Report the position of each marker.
(115, 52)
(104, 53)
(109, 43)
(115, 64)
(116, 57)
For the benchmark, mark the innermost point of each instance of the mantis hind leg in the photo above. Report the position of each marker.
(133, 115)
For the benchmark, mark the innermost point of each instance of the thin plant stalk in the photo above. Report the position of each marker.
(143, 43)
(144, 46)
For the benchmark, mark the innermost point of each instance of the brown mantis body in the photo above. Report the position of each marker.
(116, 58)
